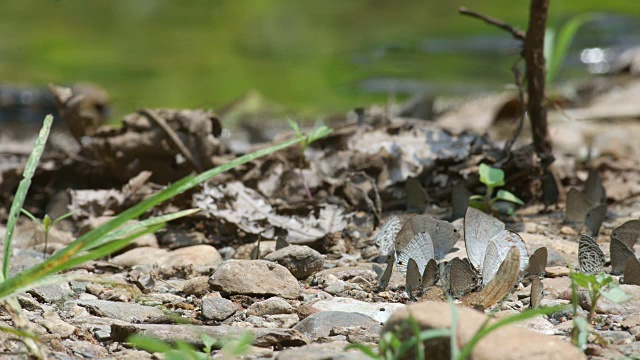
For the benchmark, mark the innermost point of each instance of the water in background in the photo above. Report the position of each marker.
(311, 56)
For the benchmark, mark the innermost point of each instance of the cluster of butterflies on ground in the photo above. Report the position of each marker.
(497, 257)
(586, 210)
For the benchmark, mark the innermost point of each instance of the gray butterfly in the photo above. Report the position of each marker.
(488, 242)
(537, 293)
(430, 274)
(537, 263)
(419, 249)
(443, 235)
(632, 271)
(416, 196)
(620, 254)
(593, 188)
(383, 281)
(628, 233)
(581, 213)
(590, 256)
(387, 236)
(459, 277)
(413, 278)
(281, 243)
(459, 199)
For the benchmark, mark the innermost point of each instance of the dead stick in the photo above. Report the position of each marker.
(517, 34)
(534, 59)
(173, 136)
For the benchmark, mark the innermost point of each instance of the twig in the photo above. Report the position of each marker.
(516, 33)
(523, 109)
(534, 58)
(173, 136)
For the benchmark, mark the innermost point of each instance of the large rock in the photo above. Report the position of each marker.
(507, 342)
(321, 323)
(196, 255)
(254, 277)
(302, 261)
(217, 308)
(377, 311)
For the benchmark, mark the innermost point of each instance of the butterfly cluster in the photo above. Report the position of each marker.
(496, 256)
(623, 260)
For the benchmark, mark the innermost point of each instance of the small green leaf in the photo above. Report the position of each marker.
(295, 127)
(318, 133)
(508, 196)
(62, 217)
(583, 280)
(46, 222)
(208, 342)
(491, 177)
(616, 294)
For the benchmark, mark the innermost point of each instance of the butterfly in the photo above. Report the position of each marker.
(501, 284)
(488, 242)
(416, 196)
(386, 237)
(587, 209)
(443, 235)
(623, 239)
(537, 293)
(459, 277)
(459, 199)
(632, 271)
(383, 281)
(590, 256)
(430, 274)
(414, 279)
(537, 263)
(419, 249)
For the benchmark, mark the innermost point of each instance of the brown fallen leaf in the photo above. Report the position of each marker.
(500, 285)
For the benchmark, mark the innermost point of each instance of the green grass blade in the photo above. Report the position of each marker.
(484, 331)
(31, 216)
(363, 349)
(455, 351)
(148, 343)
(564, 38)
(87, 240)
(21, 193)
(139, 225)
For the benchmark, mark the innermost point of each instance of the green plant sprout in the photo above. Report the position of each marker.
(598, 286)
(231, 348)
(556, 48)
(315, 134)
(391, 347)
(492, 178)
(45, 225)
(97, 243)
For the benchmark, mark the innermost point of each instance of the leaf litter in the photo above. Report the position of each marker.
(364, 179)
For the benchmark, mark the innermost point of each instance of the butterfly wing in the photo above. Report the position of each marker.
(628, 233)
(590, 256)
(479, 228)
(620, 254)
(386, 237)
(420, 249)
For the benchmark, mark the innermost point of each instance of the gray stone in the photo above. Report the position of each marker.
(217, 308)
(333, 351)
(197, 286)
(271, 306)
(302, 261)
(254, 277)
(124, 311)
(191, 334)
(281, 321)
(320, 324)
(617, 337)
(85, 349)
(53, 293)
(380, 312)
(52, 322)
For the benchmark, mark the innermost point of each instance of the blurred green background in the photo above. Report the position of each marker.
(311, 56)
